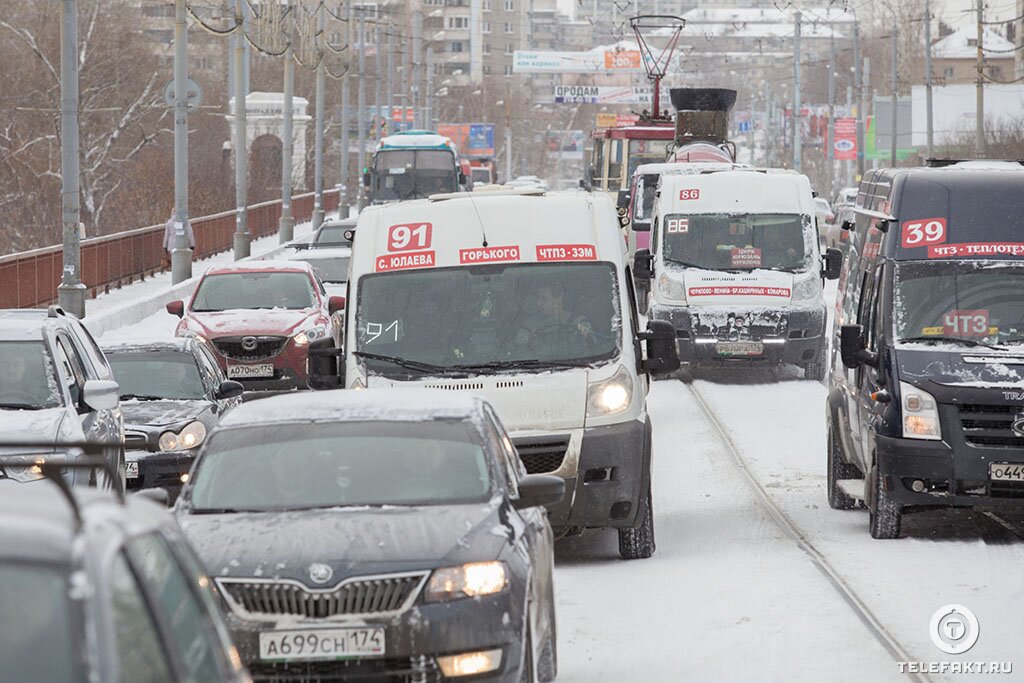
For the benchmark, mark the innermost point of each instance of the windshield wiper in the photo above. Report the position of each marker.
(524, 363)
(939, 338)
(686, 264)
(403, 362)
(141, 397)
(21, 406)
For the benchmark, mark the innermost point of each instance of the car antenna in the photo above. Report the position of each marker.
(483, 230)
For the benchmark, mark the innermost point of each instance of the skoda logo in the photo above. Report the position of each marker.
(249, 343)
(320, 573)
(1018, 425)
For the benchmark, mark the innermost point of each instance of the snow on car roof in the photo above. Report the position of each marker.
(738, 192)
(688, 166)
(309, 255)
(154, 344)
(258, 267)
(391, 404)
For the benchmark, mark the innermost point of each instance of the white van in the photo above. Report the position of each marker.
(736, 268)
(526, 298)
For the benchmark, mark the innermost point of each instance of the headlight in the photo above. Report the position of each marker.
(610, 396)
(27, 472)
(468, 581)
(470, 663)
(920, 414)
(807, 290)
(310, 335)
(189, 437)
(671, 289)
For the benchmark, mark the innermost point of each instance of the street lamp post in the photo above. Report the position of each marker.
(71, 291)
(286, 225)
(181, 255)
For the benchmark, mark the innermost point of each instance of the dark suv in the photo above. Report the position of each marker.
(55, 383)
(926, 389)
(98, 588)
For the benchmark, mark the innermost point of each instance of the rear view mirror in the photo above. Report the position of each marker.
(662, 351)
(622, 200)
(324, 367)
(643, 264)
(229, 388)
(335, 304)
(848, 225)
(852, 348)
(176, 308)
(641, 227)
(833, 264)
(366, 180)
(537, 490)
(100, 394)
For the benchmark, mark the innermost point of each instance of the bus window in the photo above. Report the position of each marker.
(614, 165)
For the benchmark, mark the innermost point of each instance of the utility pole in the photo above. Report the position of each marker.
(767, 124)
(508, 127)
(979, 124)
(830, 139)
(242, 240)
(895, 94)
(795, 120)
(928, 77)
(286, 225)
(858, 84)
(865, 99)
(181, 255)
(318, 153)
(71, 291)
(390, 115)
(407, 99)
(378, 85)
(361, 114)
(429, 109)
(346, 144)
(848, 165)
(417, 31)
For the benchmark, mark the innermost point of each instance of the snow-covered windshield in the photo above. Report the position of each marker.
(229, 291)
(148, 375)
(980, 306)
(331, 464)
(412, 174)
(498, 316)
(27, 378)
(37, 645)
(741, 241)
(330, 269)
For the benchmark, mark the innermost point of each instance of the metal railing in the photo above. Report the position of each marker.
(29, 279)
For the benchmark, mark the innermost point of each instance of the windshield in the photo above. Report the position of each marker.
(411, 174)
(481, 175)
(983, 306)
(495, 314)
(330, 269)
(254, 290)
(27, 378)
(334, 464)
(36, 642)
(737, 241)
(156, 374)
(332, 235)
(647, 152)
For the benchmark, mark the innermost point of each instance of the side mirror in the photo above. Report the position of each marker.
(622, 200)
(462, 178)
(176, 308)
(100, 394)
(157, 495)
(643, 264)
(833, 264)
(537, 490)
(641, 227)
(882, 225)
(852, 349)
(324, 365)
(229, 388)
(335, 304)
(848, 225)
(366, 180)
(662, 351)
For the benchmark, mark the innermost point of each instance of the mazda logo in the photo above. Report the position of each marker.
(249, 343)
(1018, 425)
(320, 573)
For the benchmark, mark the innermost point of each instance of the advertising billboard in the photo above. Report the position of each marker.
(471, 139)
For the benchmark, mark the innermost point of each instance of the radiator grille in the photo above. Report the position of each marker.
(541, 455)
(237, 349)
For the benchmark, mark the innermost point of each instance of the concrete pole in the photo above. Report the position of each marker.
(795, 120)
(858, 85)
(346, 155)
(318, 151)
(979, 93)
(286, 225)
(830, 140)
(429, 108)
(768, 124)
(378, 85)
(390, 113)
(361, 113)
(242, 237)
(848, 165)
(928, 77)
(181, 255)
(70, 291)
(895, 94)
(865, 104)
(417, 50)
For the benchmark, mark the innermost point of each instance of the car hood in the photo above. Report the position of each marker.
(352, 541)
(280, 321)
(45, 426)
(969, 374)
(142, 414)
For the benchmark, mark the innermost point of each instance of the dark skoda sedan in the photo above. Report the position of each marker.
(388, 534)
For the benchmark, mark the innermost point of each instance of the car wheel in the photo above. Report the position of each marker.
(837, 469)
(885, 515)
(637, 543)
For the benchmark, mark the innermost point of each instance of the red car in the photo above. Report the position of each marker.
(260, 318)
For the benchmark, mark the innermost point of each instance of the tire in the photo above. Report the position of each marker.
(885, 516)
(837, 469)
(637, 543)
